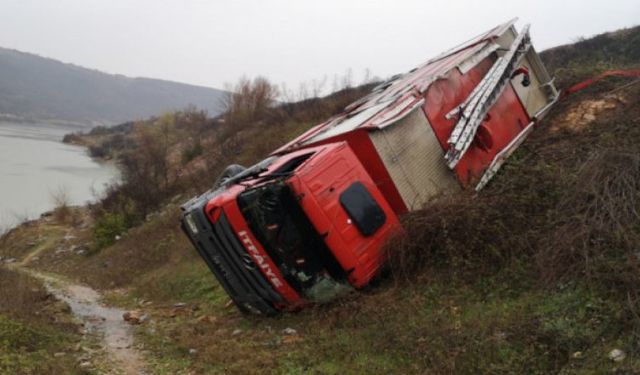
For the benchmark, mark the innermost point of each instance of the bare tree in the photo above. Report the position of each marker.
(249, 101)
(60, 196)
(286, 95)
(347, 79)
(61, 201)
(367, 77)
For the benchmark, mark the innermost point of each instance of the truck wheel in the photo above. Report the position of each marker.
(228, 172)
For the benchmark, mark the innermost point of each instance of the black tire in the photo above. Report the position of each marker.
(228, 172)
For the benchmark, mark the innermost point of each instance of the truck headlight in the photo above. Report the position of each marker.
(191, 223)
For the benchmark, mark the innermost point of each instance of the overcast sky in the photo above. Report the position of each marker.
(211, 42)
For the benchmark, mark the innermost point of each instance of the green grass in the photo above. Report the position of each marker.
(496, 325)
(187, 281)
(26, 348)
(33, 327)
(168, 358)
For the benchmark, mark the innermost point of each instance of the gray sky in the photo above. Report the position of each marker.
(216, 41)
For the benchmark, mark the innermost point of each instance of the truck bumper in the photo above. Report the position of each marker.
(227, 259)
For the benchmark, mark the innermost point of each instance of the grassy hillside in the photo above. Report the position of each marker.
(578, 61)
(537, 274)
(38, 88)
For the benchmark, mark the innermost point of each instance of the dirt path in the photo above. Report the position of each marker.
(117, 335)
(47, 244)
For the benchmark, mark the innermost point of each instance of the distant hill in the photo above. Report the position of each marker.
(37, 88)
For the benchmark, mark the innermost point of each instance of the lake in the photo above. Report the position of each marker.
(34, 164)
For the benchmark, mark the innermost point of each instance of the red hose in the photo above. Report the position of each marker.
(584, 84)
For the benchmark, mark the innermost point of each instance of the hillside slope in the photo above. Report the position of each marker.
(581, 60)
(38, 88)
(537, 274)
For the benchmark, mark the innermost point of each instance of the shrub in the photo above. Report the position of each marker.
(61, 201)
(97, 151)
(108, 227)
(192, 151)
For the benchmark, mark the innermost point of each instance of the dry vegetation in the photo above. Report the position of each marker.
(586, 58)
(569, 206)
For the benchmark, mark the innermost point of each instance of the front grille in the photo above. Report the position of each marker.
(232, 265)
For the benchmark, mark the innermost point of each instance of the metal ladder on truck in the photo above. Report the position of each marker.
(474, 109)
(472, 112)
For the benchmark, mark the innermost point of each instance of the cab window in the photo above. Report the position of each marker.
(362, 208)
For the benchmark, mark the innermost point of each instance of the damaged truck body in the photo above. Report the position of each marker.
(310, 221)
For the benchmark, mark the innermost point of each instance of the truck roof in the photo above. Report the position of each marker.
(398, 96)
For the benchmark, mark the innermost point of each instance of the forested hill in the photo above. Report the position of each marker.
(37, 88)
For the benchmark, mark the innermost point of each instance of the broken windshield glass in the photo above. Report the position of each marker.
(280, 225)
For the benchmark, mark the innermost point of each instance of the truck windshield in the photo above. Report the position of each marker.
(279, 223)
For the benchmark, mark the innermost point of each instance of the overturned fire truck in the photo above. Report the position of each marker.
(309, 222)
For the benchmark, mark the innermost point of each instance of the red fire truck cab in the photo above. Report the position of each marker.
(267, 233)
(308, 223)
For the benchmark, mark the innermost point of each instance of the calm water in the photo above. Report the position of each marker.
(34, 164)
